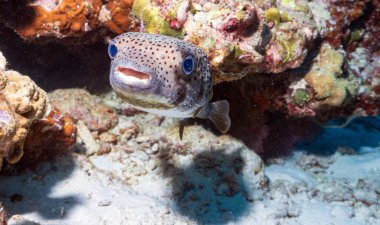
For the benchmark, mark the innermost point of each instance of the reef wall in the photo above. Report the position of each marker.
(286, 60)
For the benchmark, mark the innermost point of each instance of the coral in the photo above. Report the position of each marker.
(54, 135)
(239, 36)
(51, 19)
(301, 58)
(29, 125)
(363, 62)
(22, 101)
(115, 15)
(343, 13)
(244, 37)
(65, 18)
(273, 15)
(322, 87)
(301, 97)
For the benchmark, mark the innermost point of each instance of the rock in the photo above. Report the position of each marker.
(81, 105)
(86, 137)
(29, 123)
(342, 211)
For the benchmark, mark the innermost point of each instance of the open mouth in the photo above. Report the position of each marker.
(128, 75)
(133, 75)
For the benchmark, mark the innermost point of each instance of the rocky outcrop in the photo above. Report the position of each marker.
(25, 110)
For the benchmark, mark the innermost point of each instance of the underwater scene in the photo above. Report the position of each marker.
(171, 112)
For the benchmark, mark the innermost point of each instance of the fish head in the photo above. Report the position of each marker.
(156, 71)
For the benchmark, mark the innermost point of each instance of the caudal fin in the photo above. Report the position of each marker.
(217, 112)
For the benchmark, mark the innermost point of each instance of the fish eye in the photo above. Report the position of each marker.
(188, 64)
(112, 50)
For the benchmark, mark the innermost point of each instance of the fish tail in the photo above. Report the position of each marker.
(217, 112)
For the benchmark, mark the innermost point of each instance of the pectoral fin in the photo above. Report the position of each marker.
(181, 128)
(217, 112)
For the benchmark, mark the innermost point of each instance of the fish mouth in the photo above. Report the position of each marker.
(133, 75)
(128, 75)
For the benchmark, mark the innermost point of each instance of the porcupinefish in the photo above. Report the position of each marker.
(165, 76)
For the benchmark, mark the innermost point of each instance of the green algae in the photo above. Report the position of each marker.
(301, 97)
(356, 35)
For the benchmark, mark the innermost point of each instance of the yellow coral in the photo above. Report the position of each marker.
(323, 78)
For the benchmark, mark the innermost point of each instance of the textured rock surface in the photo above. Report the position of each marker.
(240, 37)
(29, 124)
(81, 105)
(21, 102)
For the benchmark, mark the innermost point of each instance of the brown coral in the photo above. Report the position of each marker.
(67, 18)
(28, 124)
(22, 101)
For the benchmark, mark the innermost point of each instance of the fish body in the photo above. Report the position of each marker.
(165, 76)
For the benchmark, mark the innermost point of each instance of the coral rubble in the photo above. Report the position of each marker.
(93, 118)
(81, 105)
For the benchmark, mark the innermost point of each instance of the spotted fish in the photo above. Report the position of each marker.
(165, 76)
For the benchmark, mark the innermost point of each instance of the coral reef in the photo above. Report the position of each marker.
(115, 15)
(163, 20)
(289, 59)
(242, 37)
(28, 122)
(153, 177)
